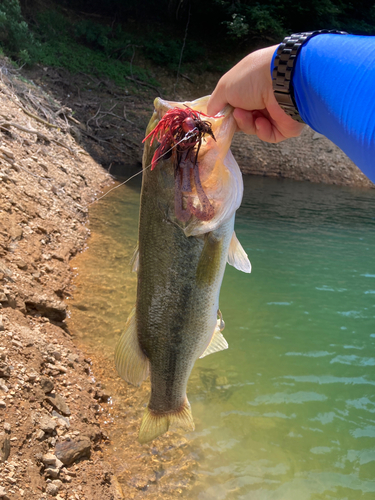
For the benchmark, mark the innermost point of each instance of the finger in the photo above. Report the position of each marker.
(245, 121)
(266, 131)
(217, 101)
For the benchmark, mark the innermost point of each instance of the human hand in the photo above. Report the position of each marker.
(248, 88)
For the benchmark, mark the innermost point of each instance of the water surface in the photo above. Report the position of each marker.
(288, 411)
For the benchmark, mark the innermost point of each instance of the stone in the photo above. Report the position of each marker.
(4, 370)
(61, 421)
(3, 387)
(4, 447)
(3, 493)
(2, 327)
(46, 384)
(7, 152)
(47, 424)
(58, 483)
(40, 435)
(49, 459)
(2, 404)
(7, 427)
(52, 489)
(117, 490)
(52, 472)
(58, 403)
(70, 451)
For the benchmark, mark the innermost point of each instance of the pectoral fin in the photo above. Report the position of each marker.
(155, 424)
(131, 363)
(218, 342)
(237, 257)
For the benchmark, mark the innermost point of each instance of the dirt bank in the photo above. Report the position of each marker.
(50, 440)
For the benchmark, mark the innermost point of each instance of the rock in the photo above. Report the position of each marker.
(49, 459)
(117, 490)
(21, 264)
(46, 384)
(17, 343)
(2, 403)
(71, 450)
(7, 152)
(52, 472)
(39, 435)
(58, 403)
(7, 427)
(3, 494)
(52, 489)
(4, 447)
(47, 424)
(2, 328)
(61, 421)
(4, 370)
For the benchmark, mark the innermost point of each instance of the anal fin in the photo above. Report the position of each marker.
(131, 363)
(237, 257)
(218, 342)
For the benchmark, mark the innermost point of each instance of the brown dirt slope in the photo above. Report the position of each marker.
(50, 439)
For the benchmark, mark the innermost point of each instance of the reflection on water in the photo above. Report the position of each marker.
(288, 411)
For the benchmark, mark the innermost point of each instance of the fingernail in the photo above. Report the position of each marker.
(256, 125)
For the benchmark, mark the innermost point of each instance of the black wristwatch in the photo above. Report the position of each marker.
(282, 72)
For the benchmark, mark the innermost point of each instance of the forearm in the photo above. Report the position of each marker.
(334, 89)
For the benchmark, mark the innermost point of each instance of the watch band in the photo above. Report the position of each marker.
(282, 72)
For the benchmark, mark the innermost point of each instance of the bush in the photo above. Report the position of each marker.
(15, 36)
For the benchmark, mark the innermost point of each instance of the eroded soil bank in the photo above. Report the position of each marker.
(50, 439)
(51, 402)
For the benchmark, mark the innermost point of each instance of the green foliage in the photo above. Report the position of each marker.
(15, 36)
(157, 30)
(247, 19)
(84, 47)
(166, 51)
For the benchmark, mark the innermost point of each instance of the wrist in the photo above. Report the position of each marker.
(282, 69)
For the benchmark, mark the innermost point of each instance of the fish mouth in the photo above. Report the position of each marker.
(199, 145)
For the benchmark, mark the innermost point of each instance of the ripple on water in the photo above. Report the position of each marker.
(353, 360)
(286, 398)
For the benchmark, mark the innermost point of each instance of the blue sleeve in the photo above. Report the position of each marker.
(334, 87)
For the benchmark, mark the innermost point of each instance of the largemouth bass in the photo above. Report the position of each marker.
(186, 236)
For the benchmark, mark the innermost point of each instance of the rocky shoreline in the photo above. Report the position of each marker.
(50, 439)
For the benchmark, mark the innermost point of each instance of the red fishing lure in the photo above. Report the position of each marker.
(183, 130)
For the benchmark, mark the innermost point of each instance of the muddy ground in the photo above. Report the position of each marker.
(56, 135)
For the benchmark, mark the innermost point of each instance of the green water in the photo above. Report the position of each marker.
(288, 411)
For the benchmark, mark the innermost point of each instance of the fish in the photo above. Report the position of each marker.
(186, 237)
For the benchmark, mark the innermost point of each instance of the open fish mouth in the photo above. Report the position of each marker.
(184, 130)
(186, 134)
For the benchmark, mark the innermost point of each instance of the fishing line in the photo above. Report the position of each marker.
(187, 136)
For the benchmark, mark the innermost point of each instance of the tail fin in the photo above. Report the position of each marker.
(155, 424)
